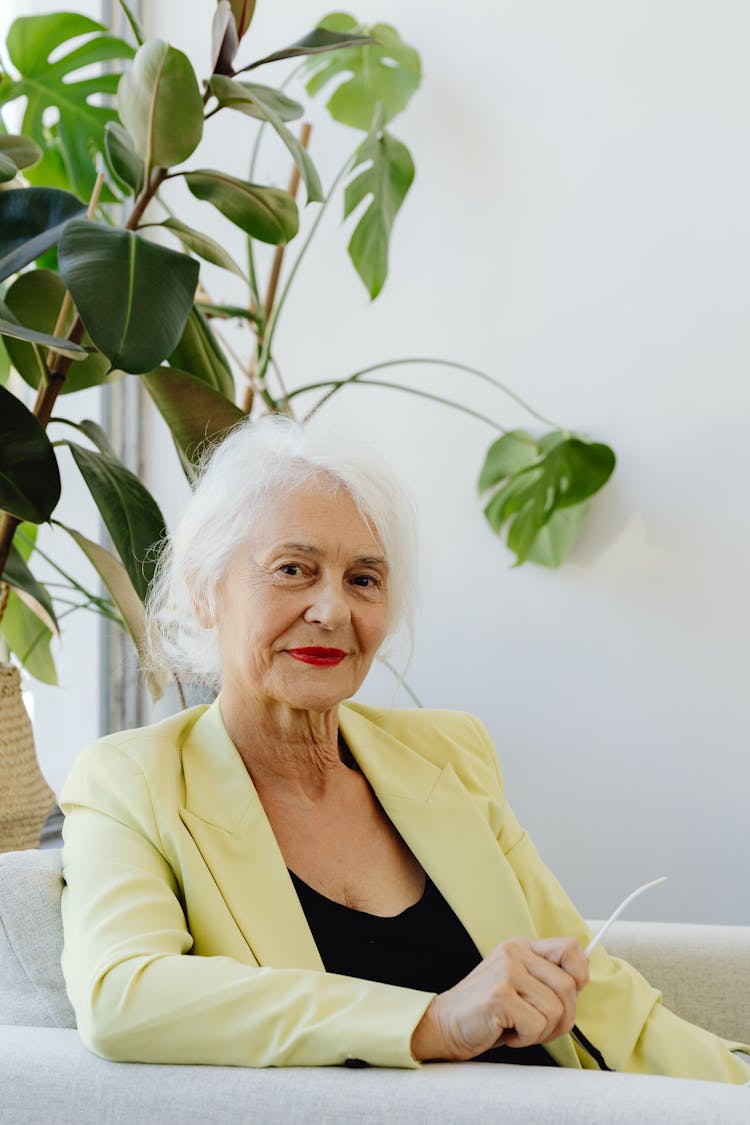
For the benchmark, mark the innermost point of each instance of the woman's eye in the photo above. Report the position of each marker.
(366, 581)
(292, 570)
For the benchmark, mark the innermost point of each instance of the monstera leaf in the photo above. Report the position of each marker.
(542, 488)
(386, 180)
(54, 86)
(385, 73)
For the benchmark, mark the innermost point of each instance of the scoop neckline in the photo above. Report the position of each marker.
(353, 909)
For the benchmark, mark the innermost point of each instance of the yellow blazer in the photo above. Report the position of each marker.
(168, 852)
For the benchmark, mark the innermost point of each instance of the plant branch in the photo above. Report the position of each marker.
(271, 328)
(336, 385)
(278, 260)
(355, 381)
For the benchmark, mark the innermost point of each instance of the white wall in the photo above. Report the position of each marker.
(579, 227)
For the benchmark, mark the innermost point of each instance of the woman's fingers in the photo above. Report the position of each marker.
(568, 954)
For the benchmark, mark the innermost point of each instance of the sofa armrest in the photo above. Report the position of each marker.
(702, 971)
(46, 1074)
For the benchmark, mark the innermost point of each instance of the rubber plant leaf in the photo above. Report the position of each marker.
(198, 353)
(18, 575)
(195, 413)
(386, 72)
(28, 639)
(160, 105)
(203, 245)
(224, 39)
(130, 513)
(123, 593)
(31, 220)
(29, 476)
(54, 86)
(266, 213)
(16, 152)
(386, 180)
(124, 163)
(261, 101)
(318, 41)
(132, 295)
(34, 299)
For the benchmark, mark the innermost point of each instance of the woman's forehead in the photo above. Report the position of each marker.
(315, 519)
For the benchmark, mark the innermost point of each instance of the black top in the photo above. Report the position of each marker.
(425, 947)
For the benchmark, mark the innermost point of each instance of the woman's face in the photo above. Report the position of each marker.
(303, 607)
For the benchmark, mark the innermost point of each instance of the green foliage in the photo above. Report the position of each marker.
(540, 488)
(117, 282)
(265, 213)
(386, 180)
(386, 75)
(111, 302)
(29, 477)
(35, 299)
(57, 88)
(31, 221)
(160, 105)
(130, 513)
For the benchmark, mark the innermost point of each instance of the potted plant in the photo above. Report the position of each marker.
(90, 292)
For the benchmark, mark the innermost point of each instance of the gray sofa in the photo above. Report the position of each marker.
(47, 1075)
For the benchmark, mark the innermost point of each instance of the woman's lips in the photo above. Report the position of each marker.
(322, 657)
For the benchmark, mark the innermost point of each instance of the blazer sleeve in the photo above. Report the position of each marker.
(139, 993)
(618, 1011)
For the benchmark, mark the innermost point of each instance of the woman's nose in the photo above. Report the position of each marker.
(329, 606)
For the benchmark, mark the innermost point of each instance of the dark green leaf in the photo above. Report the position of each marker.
(29, 477)
(386, 73)
(96, 434)
(123, 161)
(262, 101)
(130, 513)
(199, 354)
(132, 295)
(195, 413)
(387, 180)
(8, 170)
(268, 214)
(160, 105)
(115, 577)
(32, 220)
(4, 364)
(317, 41)
(55, 87)
(207, 248)
(21, 150)
(18, 575)
(29, 639)
(64, 347)
(239, 95)
(35, 299)
(508, 455)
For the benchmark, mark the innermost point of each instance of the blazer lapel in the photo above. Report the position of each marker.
(225, 818)
(451, 839)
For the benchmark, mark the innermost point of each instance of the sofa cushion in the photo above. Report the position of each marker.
(32, 989)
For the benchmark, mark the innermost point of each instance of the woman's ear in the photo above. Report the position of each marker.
(204, 612)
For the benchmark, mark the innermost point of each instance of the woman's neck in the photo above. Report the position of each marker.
(288, 753)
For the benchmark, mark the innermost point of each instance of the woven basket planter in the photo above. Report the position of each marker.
(25, 797)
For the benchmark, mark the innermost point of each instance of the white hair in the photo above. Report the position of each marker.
(237, 481)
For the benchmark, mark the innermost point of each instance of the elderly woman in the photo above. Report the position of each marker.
(284, 878)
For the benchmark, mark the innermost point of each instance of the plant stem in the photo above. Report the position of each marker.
(278, 259)
(438, 363)
(271, 328)
(354, 381)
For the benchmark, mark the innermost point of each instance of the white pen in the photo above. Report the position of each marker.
(595, 940)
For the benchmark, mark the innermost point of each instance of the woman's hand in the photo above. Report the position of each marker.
(523, 992)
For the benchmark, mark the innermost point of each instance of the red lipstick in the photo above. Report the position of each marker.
(322, 657)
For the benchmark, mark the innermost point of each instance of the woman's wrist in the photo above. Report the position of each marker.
(427, 1039)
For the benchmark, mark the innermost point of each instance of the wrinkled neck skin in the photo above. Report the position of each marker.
(291, 755)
